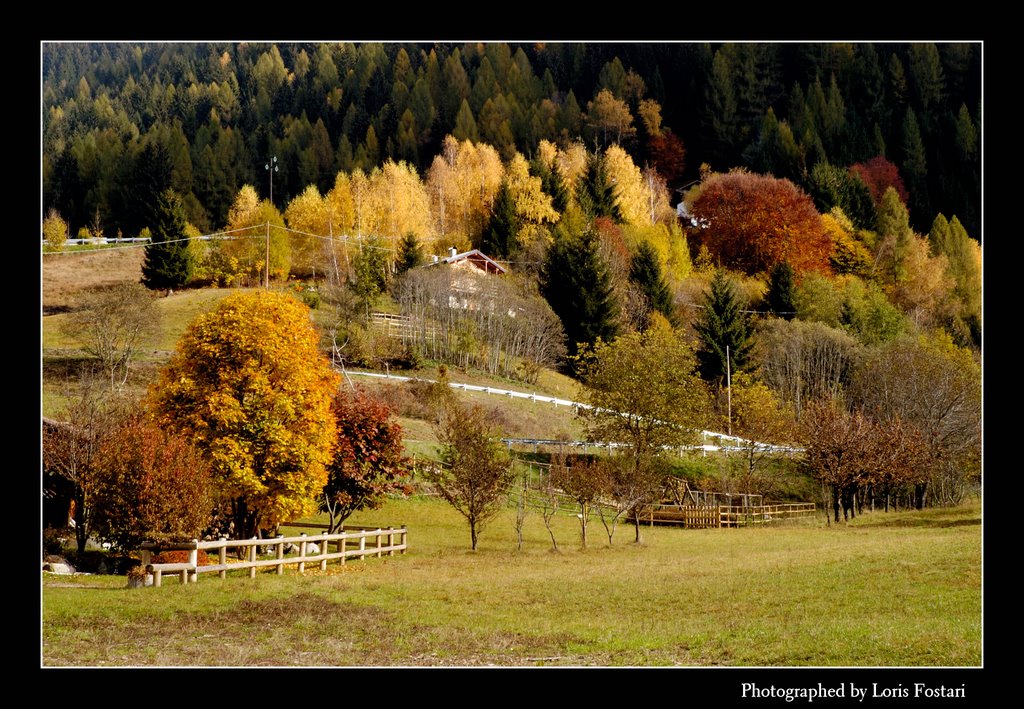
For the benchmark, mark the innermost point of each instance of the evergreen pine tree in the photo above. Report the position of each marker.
(500, 238)
(595, 192)
(167, 262)
(150, 178)
(552, 183)
(577, 284)
(645, 272)
(722, 325)
(780, 291)
(410, 254)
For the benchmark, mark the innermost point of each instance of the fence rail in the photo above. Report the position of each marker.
(382, 541)
(725, 516)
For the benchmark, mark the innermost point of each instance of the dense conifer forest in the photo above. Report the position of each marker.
(222, 110)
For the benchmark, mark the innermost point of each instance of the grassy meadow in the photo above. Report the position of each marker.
(896, 589)
(888, 589)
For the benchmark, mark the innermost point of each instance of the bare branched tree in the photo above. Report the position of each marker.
(113, 325)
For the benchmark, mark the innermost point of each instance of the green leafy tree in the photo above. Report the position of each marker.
(168, 260)
(577, 284)
(642, 389)
(475, 471)
(371, 266)
(249, 384)
(645, 271)
(838, 187)
(722, 325)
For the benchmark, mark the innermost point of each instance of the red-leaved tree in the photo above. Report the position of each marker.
(369, 462)
(879, 174)
(155, 486)
(752, 222)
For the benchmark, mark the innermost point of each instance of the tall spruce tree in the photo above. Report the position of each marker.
(577, 284)
(500, 238)
(721, 325)
(781, 291)
(167, 262)
(150, 178)
(552, 183)
(645, 272)
(410, 254)
(595, 192)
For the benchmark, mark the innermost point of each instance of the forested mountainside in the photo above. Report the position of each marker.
(222, 110)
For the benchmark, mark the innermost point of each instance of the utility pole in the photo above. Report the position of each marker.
(271, 167)
(728, 386)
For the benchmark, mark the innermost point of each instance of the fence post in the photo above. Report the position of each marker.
(302, 554)
(193, 559)
(157, 576)
(252, 558)
(280, 555)
(391, 541)
(403, 538)
(222, 557)
(323, 553)
(380, 538)
(341, 545)
(362, 546)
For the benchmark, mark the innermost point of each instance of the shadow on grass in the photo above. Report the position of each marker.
(924, 519)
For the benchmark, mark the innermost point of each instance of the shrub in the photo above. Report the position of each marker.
(181, 557)
(54, 540)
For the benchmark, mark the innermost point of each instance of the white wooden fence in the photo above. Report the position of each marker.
(347, 545)
(712, 440)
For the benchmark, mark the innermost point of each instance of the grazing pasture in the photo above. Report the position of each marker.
(896, 589)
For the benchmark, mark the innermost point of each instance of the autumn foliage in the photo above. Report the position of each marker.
(879, 174)
(752, 222)
(368, 462)
(250, 385)
(154, 486)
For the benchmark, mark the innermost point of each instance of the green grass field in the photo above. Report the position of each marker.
(896, 589)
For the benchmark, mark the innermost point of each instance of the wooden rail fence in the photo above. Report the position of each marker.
(718, 516)
(382, 541)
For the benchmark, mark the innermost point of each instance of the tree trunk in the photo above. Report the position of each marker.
(246, 520)
(835, 501)
(81, 525)
(919, 491)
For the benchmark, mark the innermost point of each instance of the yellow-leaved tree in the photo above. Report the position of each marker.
(307, 216)
(242, 256)
(249, 385)
(462, 183)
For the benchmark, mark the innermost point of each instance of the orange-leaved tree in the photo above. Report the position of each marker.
(249, 384)
(752, 222)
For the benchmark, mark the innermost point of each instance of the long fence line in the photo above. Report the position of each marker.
(189, 571)
(742, 443)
